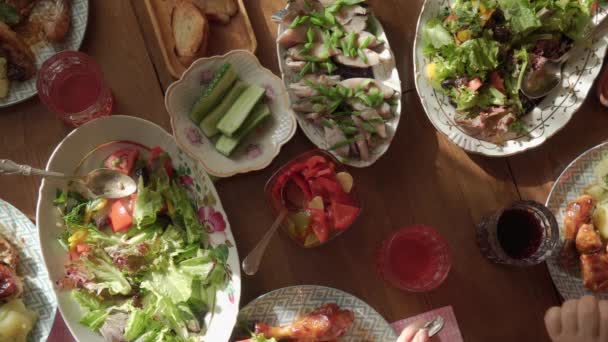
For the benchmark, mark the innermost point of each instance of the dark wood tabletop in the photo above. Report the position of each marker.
(422, 179)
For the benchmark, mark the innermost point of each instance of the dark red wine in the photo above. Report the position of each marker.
(519, 233)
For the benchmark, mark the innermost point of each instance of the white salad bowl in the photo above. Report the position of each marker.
(261, 146)
(68, 156)
(385, 73)
(546, 119)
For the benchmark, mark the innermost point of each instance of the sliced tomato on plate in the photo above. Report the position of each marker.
(329, 189)
(343, 215)
(120, 217)
(122, 160)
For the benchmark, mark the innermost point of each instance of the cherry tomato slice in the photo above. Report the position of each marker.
(120, 217)
(122, 160)
(343, 215)
(319, 224)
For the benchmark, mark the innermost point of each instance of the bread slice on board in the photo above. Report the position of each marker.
(218, 10)
(190, 30)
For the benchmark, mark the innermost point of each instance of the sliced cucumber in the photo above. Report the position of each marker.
(227, 144)
(240, 110)
(209, 124)
(223, 79)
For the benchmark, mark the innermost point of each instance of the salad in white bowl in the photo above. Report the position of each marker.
(159, 265)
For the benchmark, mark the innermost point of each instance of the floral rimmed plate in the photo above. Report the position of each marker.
(261, 146)
(38, 293)
(283, 306)
(21, 91)
(549, 117)
(385, 73)
(571, 183)
(71, 152)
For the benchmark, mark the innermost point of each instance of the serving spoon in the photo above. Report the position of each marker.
(291, 198)
(539, 83)
(104, 183)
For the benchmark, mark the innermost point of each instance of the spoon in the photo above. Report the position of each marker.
(104, 183)
(292, 198)
(539, 83)
(434, 326)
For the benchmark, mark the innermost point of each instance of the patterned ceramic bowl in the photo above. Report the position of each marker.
(86, 148)
(550, 116)
(21, 91)
(571, 184)
(261, 146)
(283, 306)
(386, 73)
(38, 294)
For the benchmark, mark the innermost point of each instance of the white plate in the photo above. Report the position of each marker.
(38, 295)
(570, 184)
(267, 139)
(550, 116)
(67, 156)
(21, 91)
(283, 306)
(386, 73)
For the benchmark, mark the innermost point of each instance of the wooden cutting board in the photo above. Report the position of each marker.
(238, 34)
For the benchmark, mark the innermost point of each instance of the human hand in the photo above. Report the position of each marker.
(578, 320)
(414, 333)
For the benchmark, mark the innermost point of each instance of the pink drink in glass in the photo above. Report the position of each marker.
(71, 85)
(415, 259)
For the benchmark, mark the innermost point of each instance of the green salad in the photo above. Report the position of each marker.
(141, 267)
(478, 51)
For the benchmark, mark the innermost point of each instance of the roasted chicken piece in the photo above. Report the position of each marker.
(11, 286)
(8, 254)
(578, 212)
(588, 241)
(326, 323)
(22, 64)
(54, 17)
(594, 269)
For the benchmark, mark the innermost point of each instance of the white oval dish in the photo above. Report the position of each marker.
(386, 73)
(571, 184)
(67, 156)
(38, 295)
(266, 140)
(549, 117)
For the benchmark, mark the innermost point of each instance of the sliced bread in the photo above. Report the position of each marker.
(190, 31)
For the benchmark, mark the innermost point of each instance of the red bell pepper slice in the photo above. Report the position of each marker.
(343, 215)
(319, 224)
(122, 160)
(120, 217)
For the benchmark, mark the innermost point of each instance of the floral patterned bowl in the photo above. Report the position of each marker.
(84, 149)
(260, 147)
(549, 117)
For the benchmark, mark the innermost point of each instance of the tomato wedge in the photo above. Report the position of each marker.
(319, 224)
(156, 154)
(343, 216)
(120, 217)
(497, 82)
(122, 160)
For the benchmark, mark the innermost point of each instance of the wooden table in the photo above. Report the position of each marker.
(422, 179)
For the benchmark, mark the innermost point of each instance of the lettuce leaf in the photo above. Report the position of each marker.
(478, 56)
(434, 34)
(106, 275)
(520, 15)
(147, 205)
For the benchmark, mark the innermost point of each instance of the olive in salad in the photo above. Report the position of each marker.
(318, 198)
(478, 52)
(141, 267)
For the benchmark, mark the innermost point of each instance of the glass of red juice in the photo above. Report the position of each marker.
(523, 234)
(415, 259)
(71, 85)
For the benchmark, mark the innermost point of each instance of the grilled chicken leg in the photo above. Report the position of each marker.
(578, 213)
(325, 323)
